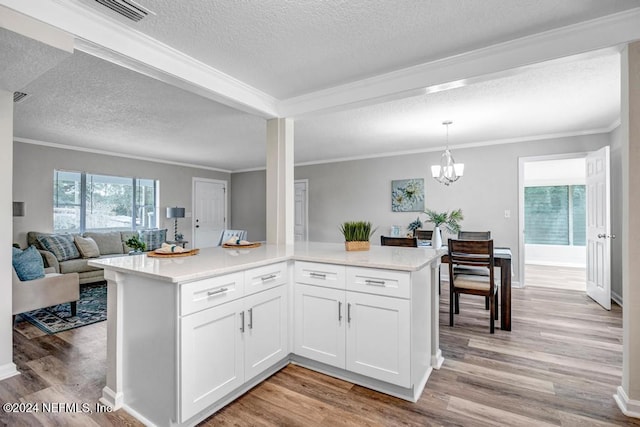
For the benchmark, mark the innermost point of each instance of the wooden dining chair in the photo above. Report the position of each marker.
(423, 234)
(474, 235)
(479, 255)
(409, 242)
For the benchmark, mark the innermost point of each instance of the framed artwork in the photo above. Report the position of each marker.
(407, 195)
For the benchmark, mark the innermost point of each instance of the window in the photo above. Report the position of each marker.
(555, 215)
(83, 201)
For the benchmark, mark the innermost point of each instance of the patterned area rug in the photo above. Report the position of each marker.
(92, 308)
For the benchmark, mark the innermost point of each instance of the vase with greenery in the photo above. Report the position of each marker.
(135, 243)
(451, 220)
(356, 235)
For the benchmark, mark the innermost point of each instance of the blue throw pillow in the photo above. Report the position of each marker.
(61, 245)
(28, 263)
(153, 238)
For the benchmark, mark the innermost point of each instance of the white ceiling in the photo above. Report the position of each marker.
(355, 71)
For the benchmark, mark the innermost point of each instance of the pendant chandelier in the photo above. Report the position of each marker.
(448, 170)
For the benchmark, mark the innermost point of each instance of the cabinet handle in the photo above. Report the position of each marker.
(269, 277)
(242, 321)
(251, 318)
(318, 275)
(339, 311)
(217, 291)
(348, 312)
(374, 282)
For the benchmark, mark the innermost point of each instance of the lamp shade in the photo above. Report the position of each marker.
(175, 212)
(18, 208)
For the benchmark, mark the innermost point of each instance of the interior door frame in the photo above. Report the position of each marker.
(225, 184)
(306, 203)
(521, 163)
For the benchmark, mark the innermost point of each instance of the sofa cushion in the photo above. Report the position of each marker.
(108, 242)
(28, 263)
(79, 265)
(153, 238)
(61, 245)
(87, 247)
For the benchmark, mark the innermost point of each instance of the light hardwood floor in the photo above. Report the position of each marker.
(547, 276)
(559, 366)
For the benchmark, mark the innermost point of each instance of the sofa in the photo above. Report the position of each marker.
(64, 258)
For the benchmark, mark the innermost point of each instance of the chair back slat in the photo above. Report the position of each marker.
(409, 242)
(474, 235)
(423, 234)
(476, 253)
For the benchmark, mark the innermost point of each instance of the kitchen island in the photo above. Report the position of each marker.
(186, 336)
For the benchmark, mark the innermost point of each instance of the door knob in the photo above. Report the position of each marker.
(600, 236)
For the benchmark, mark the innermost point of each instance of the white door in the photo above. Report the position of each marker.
(319, 315)
(598, 228)
(209, 212)
(378, 338)
(300, 230)
(211, 356)
(266, 330)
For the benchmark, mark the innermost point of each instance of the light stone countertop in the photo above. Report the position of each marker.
(212, 262)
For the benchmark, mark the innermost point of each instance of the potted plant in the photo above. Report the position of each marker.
(415, 225)
(135, 243)
(356, 235)
(449, 219)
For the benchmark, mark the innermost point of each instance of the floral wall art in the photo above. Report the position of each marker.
(407, 195)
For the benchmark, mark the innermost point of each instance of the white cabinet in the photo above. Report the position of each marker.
(320, 324)
(212, 356)
(265, 332)
(378, 337)
(357, 331)
(224, 346)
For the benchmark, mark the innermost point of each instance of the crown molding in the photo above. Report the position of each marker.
(469, 67)
(100, 36)
(115, 154)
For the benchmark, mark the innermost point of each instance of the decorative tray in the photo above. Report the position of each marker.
(249, 245)
(173, 254)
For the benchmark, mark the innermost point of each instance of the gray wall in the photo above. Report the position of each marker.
(616, 214)
(249, 204)
(360, 189)
(33, 167)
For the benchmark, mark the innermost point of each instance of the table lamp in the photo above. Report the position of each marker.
(175, 213)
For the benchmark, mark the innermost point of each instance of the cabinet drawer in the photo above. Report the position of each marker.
(328, 275)
(202, 294)
(261, 278)
(379, 282)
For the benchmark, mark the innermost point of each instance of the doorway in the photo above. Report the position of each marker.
(209, 211)
(553, 229)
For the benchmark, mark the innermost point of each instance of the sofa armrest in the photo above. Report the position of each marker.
(50, 260)
(50, 290)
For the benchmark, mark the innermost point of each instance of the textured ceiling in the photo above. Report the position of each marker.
(288, 48)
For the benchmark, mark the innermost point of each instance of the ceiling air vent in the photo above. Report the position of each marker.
(19, 96)
(127, 8)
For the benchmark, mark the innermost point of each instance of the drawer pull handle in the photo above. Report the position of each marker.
(269, 277)
(217, 291)
(251, 318)
(318, 275)
(374, 282)
(242, 321)
(339, 311)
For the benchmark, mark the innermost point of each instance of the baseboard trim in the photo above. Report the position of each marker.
(631, 408)
(7, 371)
(111, 398)
(616, 298)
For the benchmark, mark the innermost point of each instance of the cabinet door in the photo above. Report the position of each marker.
(212, 356)
(378, 338)
(266, 338)
(319, 315)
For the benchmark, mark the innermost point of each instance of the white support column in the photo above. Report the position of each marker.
(7, 367)
(280, 188)
(112, 394)
(628, 395)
